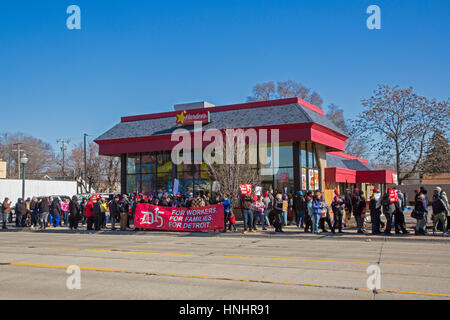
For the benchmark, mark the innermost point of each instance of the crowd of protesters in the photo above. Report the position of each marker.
(312, 212)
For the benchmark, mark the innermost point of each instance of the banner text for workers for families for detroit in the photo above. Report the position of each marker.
(179, 219)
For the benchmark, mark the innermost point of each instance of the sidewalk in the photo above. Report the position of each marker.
(290, 232)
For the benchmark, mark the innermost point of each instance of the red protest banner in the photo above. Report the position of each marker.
(393, 195)
(246, 189)
(179, 219)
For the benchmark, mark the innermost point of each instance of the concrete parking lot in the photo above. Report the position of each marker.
(159, 265)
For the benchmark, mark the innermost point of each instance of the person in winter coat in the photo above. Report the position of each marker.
(44, 211)
(98, 214)
(90, 213)
(299, 206)
(124, 212)
(444, 198)
(309, 212)
(388, 206)
(359, 209)
(114, 211)
(228, 214)
(247, 212)
(21, 212)
(325, 218)
(375, 211)
(197, 202)
(440, 212)
(348, 206)
(56, 212)
(34, 208)
(268, 205)
(420, 211)
(317, 212)
(74, 212)
(399, 220)
(65, 211)
(278, 208)
(285, 210)
(338, 207)
(258, 208)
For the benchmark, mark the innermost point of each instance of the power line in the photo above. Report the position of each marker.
(19, 151)
(63, 149)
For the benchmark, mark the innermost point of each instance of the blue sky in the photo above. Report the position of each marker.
(137, 57)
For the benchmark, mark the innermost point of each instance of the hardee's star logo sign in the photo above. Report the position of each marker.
(181, 117)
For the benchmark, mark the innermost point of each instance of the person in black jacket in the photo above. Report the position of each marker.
(359, 209)
(124, 212)
(21, 212)
(34, 208)
(114, 211)
(44, 210)
(278, 208)
(299, 207)
(74, 213)
(56, 212)
(97, 215)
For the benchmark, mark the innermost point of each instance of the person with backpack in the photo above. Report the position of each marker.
(440, 212)
(375, 211)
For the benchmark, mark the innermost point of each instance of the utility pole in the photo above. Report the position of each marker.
(85, 162)
(19, 151)
(63, 149)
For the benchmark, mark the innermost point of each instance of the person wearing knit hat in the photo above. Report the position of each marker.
(299, 207)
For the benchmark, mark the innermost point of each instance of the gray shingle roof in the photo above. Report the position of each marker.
(240, 118)
(354, 164)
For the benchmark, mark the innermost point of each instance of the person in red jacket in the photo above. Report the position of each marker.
(90, 212)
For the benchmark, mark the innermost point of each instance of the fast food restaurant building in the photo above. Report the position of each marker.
(311, 148)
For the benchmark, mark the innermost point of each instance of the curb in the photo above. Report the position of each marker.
(294, 235)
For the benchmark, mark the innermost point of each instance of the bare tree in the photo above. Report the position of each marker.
(284, 89)
(397, 124)
(231, 175)
(103, 172)
(354, 145)
(40, 154)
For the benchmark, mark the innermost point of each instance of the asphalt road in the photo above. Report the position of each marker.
(209, 266)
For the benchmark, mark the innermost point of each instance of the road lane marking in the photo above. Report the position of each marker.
(49, 266)
(115, 251)
(242, 257)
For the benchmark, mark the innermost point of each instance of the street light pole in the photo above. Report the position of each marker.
(23, 161)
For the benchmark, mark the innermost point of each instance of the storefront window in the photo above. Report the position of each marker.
(284, 178)
(286, 155)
